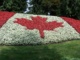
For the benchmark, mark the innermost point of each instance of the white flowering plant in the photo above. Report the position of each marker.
(23, 29)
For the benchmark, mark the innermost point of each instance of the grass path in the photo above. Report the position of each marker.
(63, 51)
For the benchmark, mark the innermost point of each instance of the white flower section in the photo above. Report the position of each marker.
(12, 33)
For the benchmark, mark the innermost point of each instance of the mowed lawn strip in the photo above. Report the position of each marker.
(60, 51)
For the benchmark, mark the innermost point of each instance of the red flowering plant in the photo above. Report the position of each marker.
(4, 16)
(39, 23)
(73, 22)
(40, 29)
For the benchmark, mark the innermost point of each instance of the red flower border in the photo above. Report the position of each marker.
(4, 16)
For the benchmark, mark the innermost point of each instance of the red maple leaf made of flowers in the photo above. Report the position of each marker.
(38, 23)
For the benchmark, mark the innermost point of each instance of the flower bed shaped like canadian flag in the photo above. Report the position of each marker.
(38, 23)
(17, 28)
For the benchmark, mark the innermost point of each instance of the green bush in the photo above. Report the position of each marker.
(13, 5)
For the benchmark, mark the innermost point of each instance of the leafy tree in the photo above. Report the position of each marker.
(37, 7)
(51, 6)
(44, 6)
(1, 2)
(13, 5)
(69, 8)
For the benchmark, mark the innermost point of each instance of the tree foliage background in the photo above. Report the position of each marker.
(13, 5)
(69, 8)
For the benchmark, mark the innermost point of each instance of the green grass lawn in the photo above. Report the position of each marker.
(61, 51)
